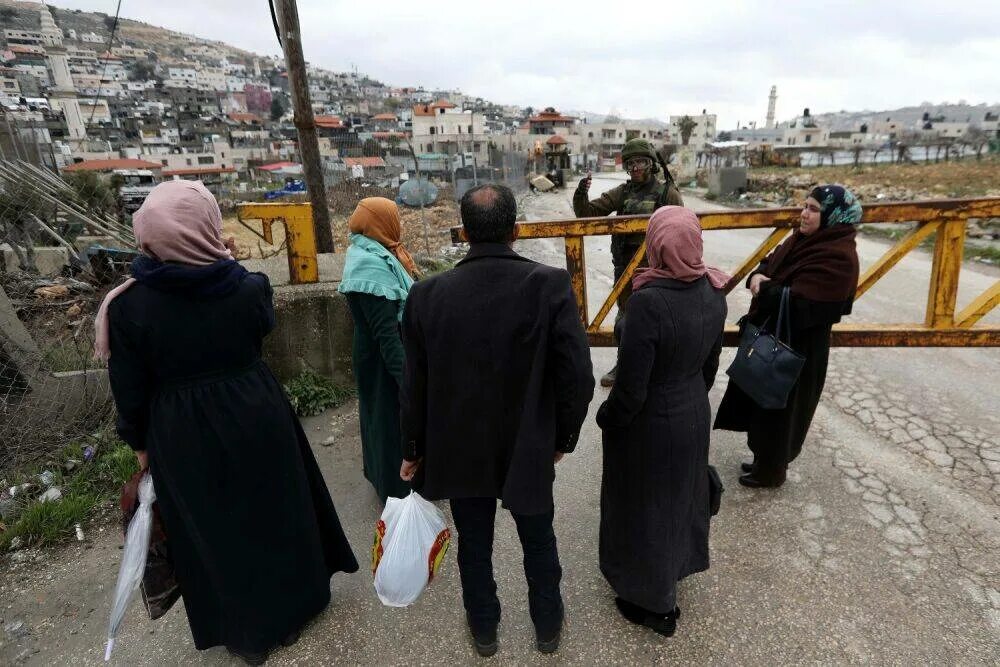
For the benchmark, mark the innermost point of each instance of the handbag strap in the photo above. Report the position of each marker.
(784, 318)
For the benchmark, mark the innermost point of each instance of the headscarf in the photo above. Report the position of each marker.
(374, 266)
(822, 266)
(674, 249)
(837, 206)
(378, 219)
(179, 222)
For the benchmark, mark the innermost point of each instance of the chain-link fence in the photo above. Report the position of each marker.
(63, 244)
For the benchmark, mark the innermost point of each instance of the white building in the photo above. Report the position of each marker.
(442, 128)
(187, 75)
(92, 38)
(212, 78)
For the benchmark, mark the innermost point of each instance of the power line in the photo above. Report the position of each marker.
(104, 69)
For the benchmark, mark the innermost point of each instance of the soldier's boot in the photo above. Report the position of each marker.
(608, 379)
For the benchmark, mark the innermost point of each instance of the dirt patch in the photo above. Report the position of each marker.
(439, 217)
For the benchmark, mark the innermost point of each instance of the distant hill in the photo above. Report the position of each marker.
(959, 113)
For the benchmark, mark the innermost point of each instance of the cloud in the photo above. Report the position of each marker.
(645, 59)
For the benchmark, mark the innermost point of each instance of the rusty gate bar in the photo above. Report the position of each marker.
(300, 235)
(946, 218)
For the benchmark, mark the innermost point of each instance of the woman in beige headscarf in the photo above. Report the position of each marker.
(377, 277)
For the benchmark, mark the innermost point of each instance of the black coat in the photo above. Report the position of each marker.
(252, 530)
(498, 378)
(656, 424)
(776, 436)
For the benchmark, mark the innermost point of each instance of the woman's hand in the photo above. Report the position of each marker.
(143, 459)
(755, 283)
(409, 469)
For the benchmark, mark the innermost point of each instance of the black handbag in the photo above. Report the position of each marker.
(715, 489)
(765, 368)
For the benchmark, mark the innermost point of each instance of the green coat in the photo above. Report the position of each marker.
(378, 370)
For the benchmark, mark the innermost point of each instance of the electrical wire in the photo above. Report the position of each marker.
(274, 21)
(104, 68)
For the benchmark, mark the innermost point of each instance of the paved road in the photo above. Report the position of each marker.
(883, 547)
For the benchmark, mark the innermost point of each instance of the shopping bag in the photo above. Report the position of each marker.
(411, 540)
(159, 586)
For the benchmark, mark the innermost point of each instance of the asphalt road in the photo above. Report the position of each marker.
(882, 548)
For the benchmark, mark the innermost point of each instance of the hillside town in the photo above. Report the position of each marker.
(150, 104)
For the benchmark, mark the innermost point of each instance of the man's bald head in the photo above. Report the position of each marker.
(489, 214)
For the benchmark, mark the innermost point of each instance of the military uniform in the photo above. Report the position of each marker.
(627, 199)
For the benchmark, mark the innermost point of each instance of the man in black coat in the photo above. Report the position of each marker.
(497, 383)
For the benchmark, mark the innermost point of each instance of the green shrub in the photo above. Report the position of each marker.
(311, 393)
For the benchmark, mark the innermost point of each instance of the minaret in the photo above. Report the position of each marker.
(772, 100)
(63, 92)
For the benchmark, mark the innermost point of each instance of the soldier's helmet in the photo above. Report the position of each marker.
(639, 148)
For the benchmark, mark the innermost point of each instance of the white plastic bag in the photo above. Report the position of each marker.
(411, 540)
(133, 559)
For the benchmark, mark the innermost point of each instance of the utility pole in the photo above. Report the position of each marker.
(287, 14)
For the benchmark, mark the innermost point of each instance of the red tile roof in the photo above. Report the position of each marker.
(245, 118)
(422, 110)
(25, 48)
(555, 139)
(274, 166)
(387, 135)
(366, 162)
(384, 116)
(196, 171)
(329, 122)
(550, 116)
(109, 165)
(442, 104)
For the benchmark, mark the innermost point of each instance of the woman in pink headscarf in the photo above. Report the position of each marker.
(655, 423)
(253, 534)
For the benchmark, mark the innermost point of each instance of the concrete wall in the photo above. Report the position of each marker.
(314, 330)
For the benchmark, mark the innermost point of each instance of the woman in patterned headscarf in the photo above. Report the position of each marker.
(820, 265)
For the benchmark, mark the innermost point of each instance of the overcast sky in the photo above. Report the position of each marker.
(640, 59)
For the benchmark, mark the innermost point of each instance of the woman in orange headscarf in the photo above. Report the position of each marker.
(377, 279)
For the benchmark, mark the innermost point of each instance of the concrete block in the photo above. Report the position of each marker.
(49, 261)
(331, 267)
(727, 181)
(82, 242)
(313, 330)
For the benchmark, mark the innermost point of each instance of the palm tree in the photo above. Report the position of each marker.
(686, 126)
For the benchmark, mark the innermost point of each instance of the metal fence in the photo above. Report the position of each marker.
(52, 392)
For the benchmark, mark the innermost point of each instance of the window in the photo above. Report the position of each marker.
(433, 130)
(470, 130)
(188, 162)
(206, 159)
(808, 138)
(163, 162)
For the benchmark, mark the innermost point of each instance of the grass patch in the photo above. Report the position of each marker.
(987, 254)
(68, 356)
(85, 488)
(311, 393)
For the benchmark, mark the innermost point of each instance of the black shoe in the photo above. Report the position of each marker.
(746, 466)
(249, 658)
(760, 480)
(608, 379)
(485, 641)
(548, 642)
(662, 624)
(291, 638)
(548, 645)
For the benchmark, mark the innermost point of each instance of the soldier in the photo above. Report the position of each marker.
(642, 194)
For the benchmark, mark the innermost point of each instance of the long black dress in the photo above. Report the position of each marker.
(775, 436)
(252, 529)
(656, 423)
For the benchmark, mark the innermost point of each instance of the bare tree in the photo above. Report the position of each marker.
(977, 139)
